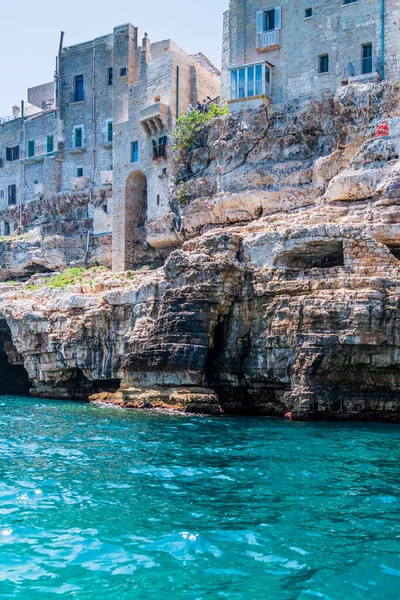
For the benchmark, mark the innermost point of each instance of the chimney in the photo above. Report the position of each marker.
(145, 55)
(16, 111)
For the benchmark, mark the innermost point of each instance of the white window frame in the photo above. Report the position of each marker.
(266, 85)
(270, 37)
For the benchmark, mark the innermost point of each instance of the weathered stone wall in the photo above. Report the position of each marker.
(334, 28)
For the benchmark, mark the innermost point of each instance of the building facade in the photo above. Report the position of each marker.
(100, 132)
(298, 49)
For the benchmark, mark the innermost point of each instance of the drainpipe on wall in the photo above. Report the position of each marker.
(23, 166)
(383, 39)
(94, 140)
(58, 74)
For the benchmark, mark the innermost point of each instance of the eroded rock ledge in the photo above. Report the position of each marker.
(295, 308)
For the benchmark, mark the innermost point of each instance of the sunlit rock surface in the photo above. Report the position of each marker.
(283, 292)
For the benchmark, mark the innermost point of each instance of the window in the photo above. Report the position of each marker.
(344, 2)
(12, 153)
(109, 131)
(78, 137)
(269, 20)
(323, 63)
(268, 24)
(12, 194)
(158, 199)
(250, 81)
(135, 152)
(50, 143)
(6, 228)
(1, 194)
(110, 75)
(122, 72)
(308, 13)
(79, 172)
(31, 148)
(366, 61)
(79, 91)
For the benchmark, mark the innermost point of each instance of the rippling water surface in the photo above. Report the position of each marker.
(107, 504)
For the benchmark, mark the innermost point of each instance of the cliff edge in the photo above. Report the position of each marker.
(283, 293)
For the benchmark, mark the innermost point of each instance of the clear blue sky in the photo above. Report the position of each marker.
(30, 31)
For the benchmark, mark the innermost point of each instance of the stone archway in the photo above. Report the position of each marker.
(135, 219)
(13, 376)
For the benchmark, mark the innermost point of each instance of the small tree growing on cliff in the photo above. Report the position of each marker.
(187, 137)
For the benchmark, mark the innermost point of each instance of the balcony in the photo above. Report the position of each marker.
(250, 85)
(268, 40)
(154, 118)
(41, 153)
(365, 69)
(159, 151)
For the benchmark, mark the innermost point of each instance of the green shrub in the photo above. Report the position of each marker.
(186, 133)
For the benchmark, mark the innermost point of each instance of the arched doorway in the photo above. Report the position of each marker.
(135, 219)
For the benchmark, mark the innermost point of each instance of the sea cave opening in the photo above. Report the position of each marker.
(13, 375)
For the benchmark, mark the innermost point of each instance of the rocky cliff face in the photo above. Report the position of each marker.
(285, 292)
(52, 234)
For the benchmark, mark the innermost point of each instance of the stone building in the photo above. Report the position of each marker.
(297, 49)
(95, 142)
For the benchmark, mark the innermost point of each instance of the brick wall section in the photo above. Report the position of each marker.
(367, 252)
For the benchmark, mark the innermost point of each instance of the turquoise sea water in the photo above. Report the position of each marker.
(108, 504)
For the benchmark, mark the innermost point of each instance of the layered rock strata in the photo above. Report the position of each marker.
(284, 295)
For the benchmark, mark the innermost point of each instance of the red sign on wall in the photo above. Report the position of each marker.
(382, 130)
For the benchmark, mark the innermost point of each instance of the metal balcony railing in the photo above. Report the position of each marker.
(267, 39)
(159, 151)
(365, 66)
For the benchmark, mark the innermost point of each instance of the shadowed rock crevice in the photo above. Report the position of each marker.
(322, 255)
(13, 376)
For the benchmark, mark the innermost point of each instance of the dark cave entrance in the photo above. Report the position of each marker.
(394, 249)
(313, 255)
(13, 377)
(79, 387)
(228, 372)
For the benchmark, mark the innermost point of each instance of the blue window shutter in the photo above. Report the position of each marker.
(135, 151)
(278, 17)
(259, 21)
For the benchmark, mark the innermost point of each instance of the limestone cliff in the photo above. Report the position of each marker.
(283, 296)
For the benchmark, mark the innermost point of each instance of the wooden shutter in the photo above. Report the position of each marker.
(259, 21)
(278, 17)
(8, 153)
